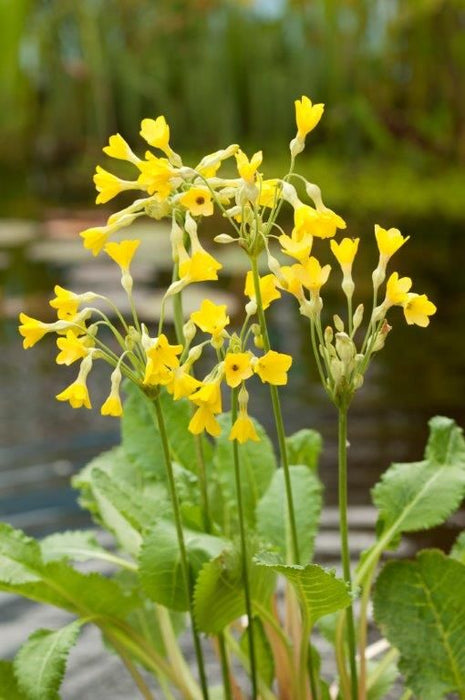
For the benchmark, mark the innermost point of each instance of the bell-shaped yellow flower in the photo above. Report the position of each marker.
(95, 238)
(182, 384)
(273, 367)
(322, 224)
(314, 276)
(307, 116)
(198, 201)
(109, 185)
(299, 249)
(118, 148)
(112, 406)
(237, 368)
(248, 168)
(243, 429)
(32, 330)
(155, 175)
(211, 318)
(397, 289)
(389, 241)
(77, 394)
(269, 193)
(204, 419)
(201, 267)
(268, 290)
(417, 309)
(67, 303)
(72, 348)
(208, 395)
(345, 252)
(291, 280)
(122, 253)
(156, 132)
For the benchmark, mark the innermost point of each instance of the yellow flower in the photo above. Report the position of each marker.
(198, 200)
(155, 175)
(247, 168)
(112, 406)
(269, 193)
(118, 148)
(211, 318)
(417, 308)
(122, 253)
(299, 249)
(273, 367)
(182, 384)
(314, 276)
(161, 353)
(72, 347)
(307, 116)
(292, 275)
(237, 367)
(209, 395)
(204, 419)
(95, 238)
(32, 330)
(156, 132)
(65, 302)
(389, 241)
(345, 252)
(108, 185)
(268, 291)
(397, 290)
(77, 395)
(322, 224)
(201, 267)
(156, 374)
(243, 429)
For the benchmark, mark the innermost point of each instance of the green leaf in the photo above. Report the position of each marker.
(319, 591)
(383, 682)
(273, 515)
(20, 558)
(9, 689)
(219, 592)
(420, 607)
(77, 545)
(458, 550)
(160, 562)
(263, 651)
(304, 447)
(257, 466)
(423, 494)
(40, 663)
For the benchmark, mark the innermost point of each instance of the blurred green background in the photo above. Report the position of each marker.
(390, 73)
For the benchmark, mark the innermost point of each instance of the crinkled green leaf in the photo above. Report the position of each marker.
(20, 558)
(160, 562)
(41, 662)
(423, 494)
(9, 689)
(458, 550)
(263, 651)
(273, 513)
(420, 607)
(74, 545)
(304, 447)
(219, 592)
(257, 466)
(319, 591)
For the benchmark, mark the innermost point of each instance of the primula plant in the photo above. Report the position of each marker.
(214, 532)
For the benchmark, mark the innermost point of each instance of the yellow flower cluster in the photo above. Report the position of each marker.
(251, 204)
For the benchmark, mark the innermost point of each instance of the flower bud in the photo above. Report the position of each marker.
(224, 238)
(345, 348)
(251, 307)
(358, 317)
(338, 323)
(314, 193)
(189, 330)
(296, 146)
(328, 335)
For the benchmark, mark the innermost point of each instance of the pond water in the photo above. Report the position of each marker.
(420, 373)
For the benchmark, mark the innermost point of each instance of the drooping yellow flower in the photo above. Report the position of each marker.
(322, 224)
(314, 276)
(122, 253)
(237, 367)
(95, 238)
(77, 394)
(417, 308)
(268, 290)
(204, 419)
(109, 185)
(269, 192)
(182, 384)
(292, 276)
(155, 175)
(208, 395)
(198, 201)
(161, 357)
(273, 367)
(307, 116)
(243, 429)
(113, 406)
(297, 248)
(72, 347)
(32, 330)
(389, 241)
(248, 168)
(118, 148)
(201, 267)
(211, 318)
(67, 303)
(397, 289)
(345, 252)
(156, 132)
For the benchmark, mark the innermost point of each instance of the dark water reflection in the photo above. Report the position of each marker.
(420, 373)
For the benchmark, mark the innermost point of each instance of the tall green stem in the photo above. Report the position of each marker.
(181, 543)
(245, 565)
(344, 531)
(278, 419)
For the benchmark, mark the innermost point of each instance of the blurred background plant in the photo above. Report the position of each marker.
(228, 70)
